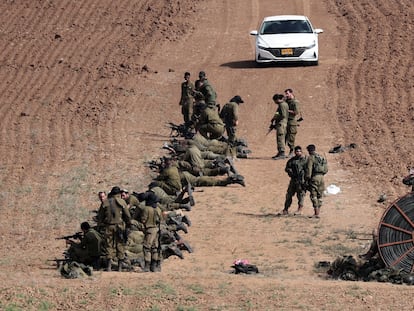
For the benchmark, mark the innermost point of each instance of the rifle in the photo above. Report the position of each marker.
(180, 130)
(77, 235)
(154, 165)
(60, 261)
(271, 128)
(230, 162)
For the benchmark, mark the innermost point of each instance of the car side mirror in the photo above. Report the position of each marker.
(254, 33)
(318, 30)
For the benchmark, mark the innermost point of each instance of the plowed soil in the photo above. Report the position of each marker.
(87, 88)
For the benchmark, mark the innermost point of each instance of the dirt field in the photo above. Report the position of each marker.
(86, 90)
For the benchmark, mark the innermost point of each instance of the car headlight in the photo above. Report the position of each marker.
(261, 46)
(312, 45)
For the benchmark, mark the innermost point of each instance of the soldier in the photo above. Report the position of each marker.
(187, 99)
(168, 178)
(209, 181)
(279, 122)
(115, 217)
(193, 160)
(230, 116)
(89, 250)
(130, 200)
(210, 124)
(409, 179)
(151, 219)
(295, 168)
(316, 168)
(292, 124)
(205, 88)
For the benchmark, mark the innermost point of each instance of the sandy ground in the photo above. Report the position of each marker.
(86, 90)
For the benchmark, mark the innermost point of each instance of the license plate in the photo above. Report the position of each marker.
(287, 52)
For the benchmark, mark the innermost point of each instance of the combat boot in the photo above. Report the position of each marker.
(146, 266)
(237, 179)
(153, 266)
(186, 207)
(186, 220)
(185, 246)
(157, 266)
(109, 265)
(299, 211)
(279, 156)
(182, 227)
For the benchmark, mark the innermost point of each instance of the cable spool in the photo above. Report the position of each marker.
(396, 234)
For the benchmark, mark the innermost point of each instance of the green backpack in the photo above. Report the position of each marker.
(320, 166)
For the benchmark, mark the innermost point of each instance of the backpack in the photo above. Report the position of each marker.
(320, 165)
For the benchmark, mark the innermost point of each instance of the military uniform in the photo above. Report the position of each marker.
(208, 92)
(169, 180)
(89, 250)
(280, 119)
(210, 124)
(115, 216)
(151, 219)
(187, 100)
(292, 123)
(316, 184)
(296, 167)
(230, 115)
(209, 181)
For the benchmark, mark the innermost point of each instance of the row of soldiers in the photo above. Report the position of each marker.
(142, 227)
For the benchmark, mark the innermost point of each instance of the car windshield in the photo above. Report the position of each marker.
(285, 26)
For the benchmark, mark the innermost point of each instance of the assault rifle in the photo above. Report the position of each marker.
(180, 130)
(60, 262)
(154, 165)
(77, 235)
(272, 127)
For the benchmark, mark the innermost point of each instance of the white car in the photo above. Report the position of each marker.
(286, 38)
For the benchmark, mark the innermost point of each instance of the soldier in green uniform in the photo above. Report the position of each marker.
(168, 178)
(115, 217)
(89, 250)
(193, 160)
(279, 122)
(205, 88)
(295, 168)
(210, 124)
(187, 99)
(314, 179)
(151, 219)
(130, 200)
(209, 181)
(230, 116)
(292, 124)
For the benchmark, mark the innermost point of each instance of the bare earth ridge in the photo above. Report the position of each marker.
(86, 90)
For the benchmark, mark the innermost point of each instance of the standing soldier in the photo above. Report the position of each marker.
(279, 122)
(151, 219)
(292, 124)
(316, 168)
(187, 100)
(206, 89)
(230, 116)
(295, 168)
(115, 217)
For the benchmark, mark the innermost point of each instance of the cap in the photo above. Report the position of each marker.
(115, 190)
(124, 191)
(311, 148)
(151, 199)
(237, 99)
(201, 74)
